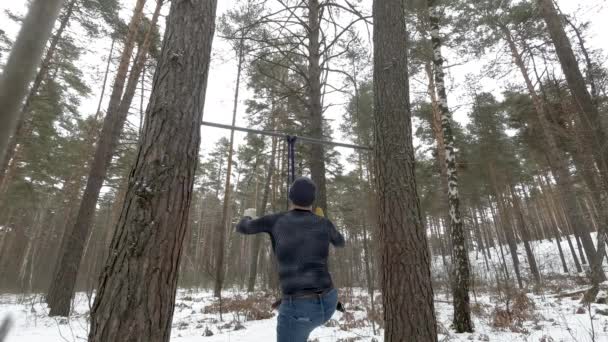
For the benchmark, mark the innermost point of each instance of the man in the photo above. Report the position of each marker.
(300, 240)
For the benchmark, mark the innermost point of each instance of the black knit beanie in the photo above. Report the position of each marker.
(302, 192)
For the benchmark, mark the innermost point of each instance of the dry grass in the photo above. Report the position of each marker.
(518, 309)
(251, 308)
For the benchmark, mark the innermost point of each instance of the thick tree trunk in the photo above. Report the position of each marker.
(62, 288)
(22, 63)
(224, 222)
(407, 292)
(460, 256)
(136, 293)
(317, 161)
(588, 119)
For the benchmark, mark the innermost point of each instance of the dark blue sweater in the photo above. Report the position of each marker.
(300, 240)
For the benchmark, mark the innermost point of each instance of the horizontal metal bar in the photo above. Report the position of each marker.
(283, 135)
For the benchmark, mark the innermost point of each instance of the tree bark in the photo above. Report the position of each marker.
(460, 256)
(136, 293)
(63, 284)
(22, 63)
(317, 161)
(407, 292)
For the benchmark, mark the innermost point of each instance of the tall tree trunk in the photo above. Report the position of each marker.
(198, 244)
(525, 236)
(590, 73)
(407, 293)
(22, 63)
(23, 127)
(105, 79)
(63, 284)
(221, 237)
(369, 277)
(499, 242)
(588, 119)
(460, 256)
(479, 237)
(27, 261)
(506, 226)
(136, 293)
(317, 161)
(553, 229)
(439, 139)
(436, 118)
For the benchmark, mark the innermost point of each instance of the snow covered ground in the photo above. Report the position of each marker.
(533, 317)
(552, 318)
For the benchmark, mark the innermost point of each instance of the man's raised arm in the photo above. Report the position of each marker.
(249, 225)
(335, 237)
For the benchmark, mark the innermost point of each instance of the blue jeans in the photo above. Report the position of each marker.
(299, 317)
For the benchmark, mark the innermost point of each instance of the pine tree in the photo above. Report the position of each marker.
(147, 244)
(62, 288)
(588, 119)
(407, 293)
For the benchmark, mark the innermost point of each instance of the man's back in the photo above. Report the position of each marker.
(301, 241)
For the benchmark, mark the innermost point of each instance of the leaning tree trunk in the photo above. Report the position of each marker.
(407, 293)
(62, 287)
(22, 63)
(588, 119)
(555, 157)
(221, 237)
(136, 294)
(5, 327)
(23, 127)
(460, 255)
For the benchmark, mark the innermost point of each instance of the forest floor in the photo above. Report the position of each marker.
(500, 313)
(529, 318)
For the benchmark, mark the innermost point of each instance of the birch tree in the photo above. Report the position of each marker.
(460, 255)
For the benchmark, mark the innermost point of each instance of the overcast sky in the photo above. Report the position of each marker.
(222, 76)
